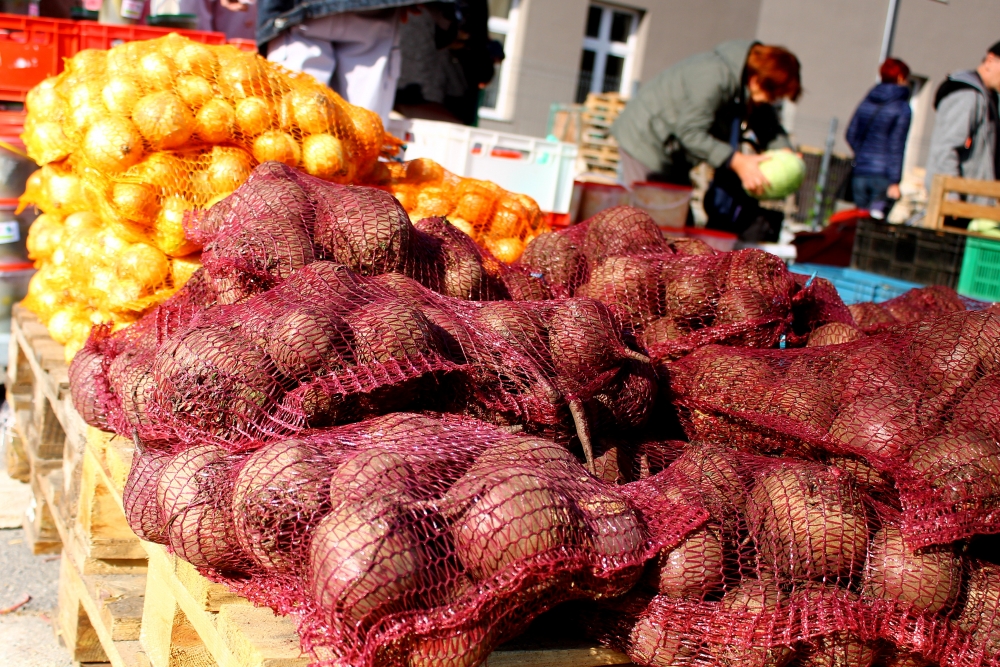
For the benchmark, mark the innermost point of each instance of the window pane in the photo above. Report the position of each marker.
(586, 76)
(621, 26)
(613, 74)
(594, 22)
(500, 8)
(492, 92)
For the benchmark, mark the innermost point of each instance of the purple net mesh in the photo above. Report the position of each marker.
(428, 538)
(416, 450)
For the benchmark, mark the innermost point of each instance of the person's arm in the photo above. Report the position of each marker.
(852, 130)
(704, 91)
(952, 125)
(897, 146)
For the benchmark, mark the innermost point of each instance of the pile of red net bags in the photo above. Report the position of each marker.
(696, 457)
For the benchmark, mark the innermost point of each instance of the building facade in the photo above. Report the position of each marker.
(558, 50)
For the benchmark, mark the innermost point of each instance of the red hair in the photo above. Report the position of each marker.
(892, 70)
(776, 69)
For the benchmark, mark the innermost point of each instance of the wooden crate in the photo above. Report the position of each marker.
(940, 205)
(598, 149)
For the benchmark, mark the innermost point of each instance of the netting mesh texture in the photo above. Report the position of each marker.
(829, 508)
(133, 139)
(430, 539)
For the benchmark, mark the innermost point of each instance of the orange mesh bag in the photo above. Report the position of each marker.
(502, 222)
(139, 136)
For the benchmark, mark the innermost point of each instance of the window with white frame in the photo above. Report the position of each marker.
(608, 48)
(502, 23)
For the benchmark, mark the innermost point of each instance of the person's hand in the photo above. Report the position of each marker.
(747, 167)
(893, 191)
(234, 5)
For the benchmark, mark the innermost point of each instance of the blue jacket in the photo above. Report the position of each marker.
(276, 16)
(877, 132)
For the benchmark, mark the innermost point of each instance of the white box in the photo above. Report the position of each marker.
(541, 169)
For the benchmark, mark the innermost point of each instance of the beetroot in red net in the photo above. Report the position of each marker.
(305, 340)
(555, 257)
(142, 509)
(980, 617)
(929, 580)
(632, 282)
(85, 371)
(279, 493)
(391, 330)
(870, 315)
(694, 568)
(808, 522)
(453, 264)
(194, 494)
(363, 228)
(959, 465)
(834, 333)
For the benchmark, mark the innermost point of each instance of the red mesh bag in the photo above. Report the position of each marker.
(911, 403)
(281, 219)
(798, 564)
(917, 304)
(675, 297)
(328, 346)
(428, 538)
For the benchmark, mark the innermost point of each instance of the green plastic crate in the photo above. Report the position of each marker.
(980, 277)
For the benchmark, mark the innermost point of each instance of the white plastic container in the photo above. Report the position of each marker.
(14, 280)
(541, 169)
(666, 204)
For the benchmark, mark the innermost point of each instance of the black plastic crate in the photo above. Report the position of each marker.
(919, 255)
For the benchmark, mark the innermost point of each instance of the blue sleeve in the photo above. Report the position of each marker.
(854, 127)
(897, 143)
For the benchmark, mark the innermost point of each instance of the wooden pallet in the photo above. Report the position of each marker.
(48, 435)
(598, 149)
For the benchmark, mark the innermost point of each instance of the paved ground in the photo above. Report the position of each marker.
(27, 637)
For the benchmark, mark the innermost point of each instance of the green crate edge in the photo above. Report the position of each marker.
(971, 281)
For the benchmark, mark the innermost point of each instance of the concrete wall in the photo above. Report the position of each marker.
(546, 62)
(838, 43)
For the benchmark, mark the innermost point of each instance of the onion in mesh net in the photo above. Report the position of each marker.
(929, 580)
(519, 325)
(870, 315)
(833, 333)
(215, 379)
(883, 425)
(712, 469)
(139, 496)
(740, 305)
(466, 648)
(555, 257)
(807, 521)
(691, 290)
(657, 645)
(622, 230)
(280, 492)
(504, 516)
(838, 649)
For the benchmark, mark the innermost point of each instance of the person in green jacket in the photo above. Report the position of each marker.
(701, 110)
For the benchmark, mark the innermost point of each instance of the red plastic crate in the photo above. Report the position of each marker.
(100, 36)
(32, 49)
(247, 45)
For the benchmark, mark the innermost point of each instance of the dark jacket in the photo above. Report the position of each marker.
(964, 139)
(692, 105)
(276, 16)
(878, 130)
